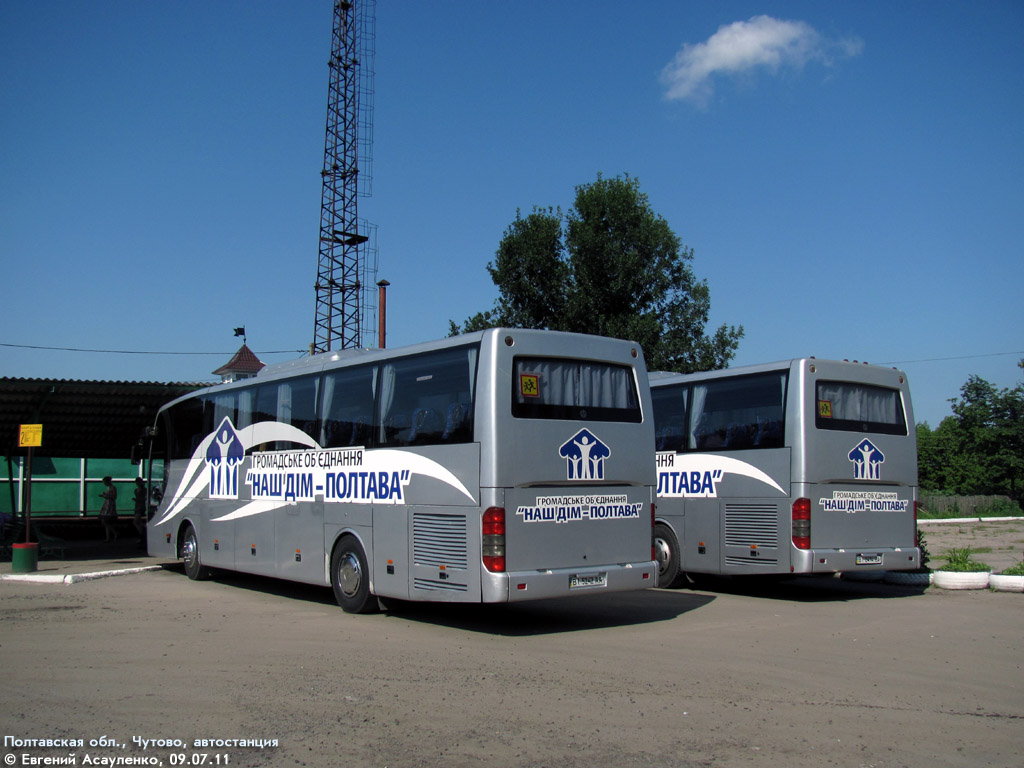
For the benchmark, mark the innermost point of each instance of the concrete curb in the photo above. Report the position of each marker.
(74, 578)
(943, 520)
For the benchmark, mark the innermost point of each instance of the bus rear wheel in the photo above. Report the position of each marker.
(350, 577)
(194, 568)
(666, 552)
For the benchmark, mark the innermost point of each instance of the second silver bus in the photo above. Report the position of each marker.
(804, 466)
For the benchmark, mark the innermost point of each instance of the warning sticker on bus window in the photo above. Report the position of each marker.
(825, 409)
(529, 385)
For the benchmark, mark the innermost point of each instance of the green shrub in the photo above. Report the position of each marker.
(961, 560)
(923, 546)
(1014, 570)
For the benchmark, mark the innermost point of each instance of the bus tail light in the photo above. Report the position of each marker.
(802, 523)
(493, 545)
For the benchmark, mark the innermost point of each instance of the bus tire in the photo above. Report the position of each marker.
(666, 551)
(194, 567)
(350, 577)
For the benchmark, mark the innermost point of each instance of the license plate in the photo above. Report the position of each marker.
(584, 580)
(869, 559)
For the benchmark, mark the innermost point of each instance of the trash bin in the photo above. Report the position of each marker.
(25, 557)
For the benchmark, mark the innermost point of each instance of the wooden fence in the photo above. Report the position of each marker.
(966, 506)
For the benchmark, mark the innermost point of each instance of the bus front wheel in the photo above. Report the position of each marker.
(194, 568)
(350, 577)
(666, 552)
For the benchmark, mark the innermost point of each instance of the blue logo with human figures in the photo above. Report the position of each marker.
(223, 458)
(584, 455)
(867, 461)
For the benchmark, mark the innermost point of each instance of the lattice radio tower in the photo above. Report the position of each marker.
(346, 306)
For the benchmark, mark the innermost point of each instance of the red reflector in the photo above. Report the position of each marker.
(494, 522)
(494, 564)
(802, 509)
(521, 586)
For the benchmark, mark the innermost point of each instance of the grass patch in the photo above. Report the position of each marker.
(961, 560)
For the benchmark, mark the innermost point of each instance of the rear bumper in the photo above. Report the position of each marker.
(852, 560)
(518, 586)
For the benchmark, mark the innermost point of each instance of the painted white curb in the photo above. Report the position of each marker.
(73, 578)
(944, 520)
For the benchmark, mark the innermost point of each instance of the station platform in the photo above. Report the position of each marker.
(74, 550)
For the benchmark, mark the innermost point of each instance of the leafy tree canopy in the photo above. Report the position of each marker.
(980, 448)
(609, 266)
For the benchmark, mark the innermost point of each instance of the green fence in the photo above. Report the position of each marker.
(62, 487)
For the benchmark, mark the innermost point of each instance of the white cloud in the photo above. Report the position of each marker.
(745, 45)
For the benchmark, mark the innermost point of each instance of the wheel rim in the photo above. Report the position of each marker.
(188, 550)
(350, 574)
(663, 554)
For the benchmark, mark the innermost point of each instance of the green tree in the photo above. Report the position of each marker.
(610, 266)
(980, 448)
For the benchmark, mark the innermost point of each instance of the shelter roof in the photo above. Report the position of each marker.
(86, 419)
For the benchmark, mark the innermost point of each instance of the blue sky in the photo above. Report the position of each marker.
(849, 175)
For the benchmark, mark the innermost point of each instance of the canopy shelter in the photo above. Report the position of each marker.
(82, 419)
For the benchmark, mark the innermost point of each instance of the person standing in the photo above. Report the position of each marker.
(108, 512)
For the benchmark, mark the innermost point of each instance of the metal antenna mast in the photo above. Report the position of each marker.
(345, 295)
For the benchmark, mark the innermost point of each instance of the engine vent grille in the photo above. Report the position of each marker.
(439, 586)
(439, 540)
(751, 525)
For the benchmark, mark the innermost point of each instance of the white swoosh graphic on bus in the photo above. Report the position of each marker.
(705, 462)
(270, 432)
(382, 460)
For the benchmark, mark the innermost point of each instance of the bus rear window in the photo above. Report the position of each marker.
(852, 407)
(574, 390)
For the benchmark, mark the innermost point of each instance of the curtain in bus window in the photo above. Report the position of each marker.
(471, 359)
(264, 410)
(698, 420)
(387, 397)
(245, 408)
(859, 407)
(573, 389)
(225, 404)
(296, 404)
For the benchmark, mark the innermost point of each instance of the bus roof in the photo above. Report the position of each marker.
(664, 377)
(314, 364)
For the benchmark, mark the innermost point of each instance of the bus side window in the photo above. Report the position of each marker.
(427, 399)
(738, 414)
(347, 411)
(669, 418)
(184, 426)
(296, 405)
(264, 410)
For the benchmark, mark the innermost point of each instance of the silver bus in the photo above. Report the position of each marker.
(493, 467)
(798, 467)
